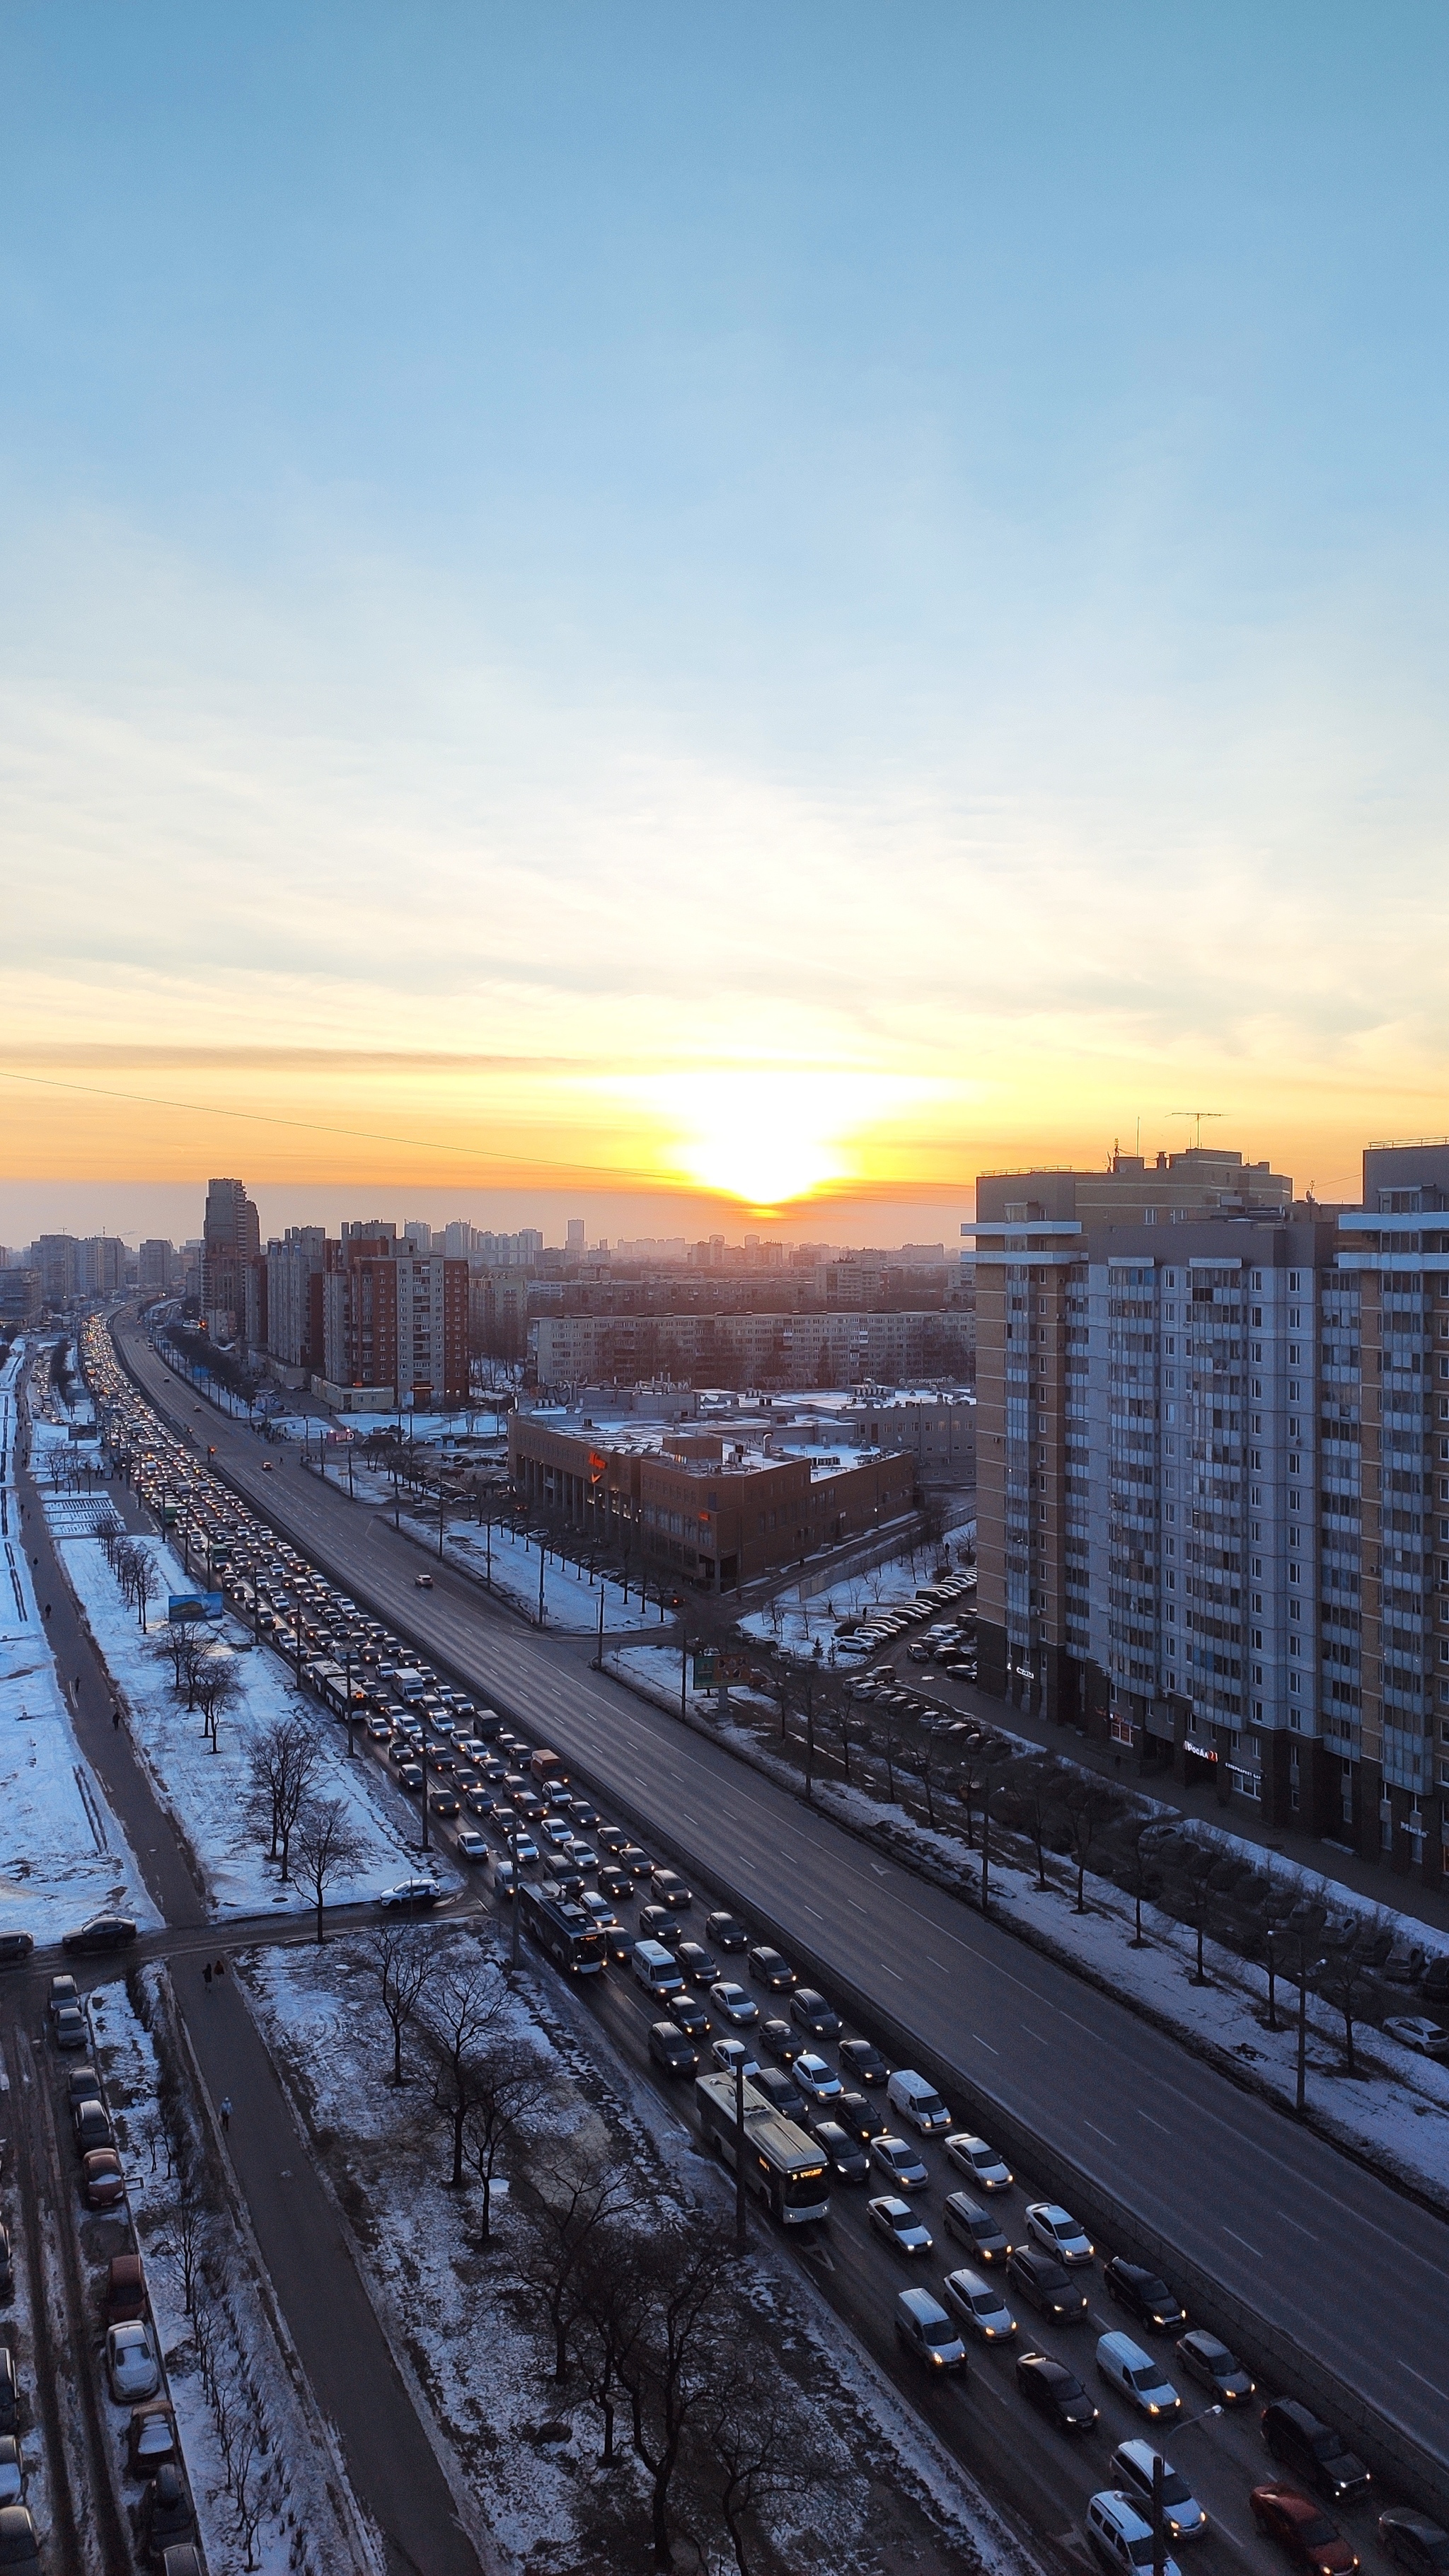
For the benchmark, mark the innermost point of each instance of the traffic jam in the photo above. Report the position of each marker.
(1065, 2373)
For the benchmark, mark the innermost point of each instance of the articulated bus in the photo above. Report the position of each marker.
(562, 1930)
(783, 2166)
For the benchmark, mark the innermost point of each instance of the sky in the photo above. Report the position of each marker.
(698, 611)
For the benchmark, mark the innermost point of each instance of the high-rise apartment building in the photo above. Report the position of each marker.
(295, 1268)
(1213, 1491)
(157, 1266)
(231, 1234)
(100, 1265)
(398, 1320)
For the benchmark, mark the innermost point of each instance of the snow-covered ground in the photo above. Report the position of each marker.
(207, 1790)
(890, 2497)
(298, 2533)
(797, 1623)
(63, 1855)
(1398, 2111)
(570, 1600)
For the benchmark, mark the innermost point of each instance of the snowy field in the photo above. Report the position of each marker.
(297, 2531)
(887, 2496)
(570, 1601)
(206, 1789)
(1398, 2110)
(63, 1856)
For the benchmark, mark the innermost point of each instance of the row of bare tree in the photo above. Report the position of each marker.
(133, 1566)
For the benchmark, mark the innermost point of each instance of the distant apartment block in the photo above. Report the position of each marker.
(20, 1296)
(771, 1350)
(396, 1319)
(156, 1267)
(231, 1236)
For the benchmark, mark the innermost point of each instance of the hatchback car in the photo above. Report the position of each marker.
(734, 2002)
(1210, 2363)
(897, 2222)
(92, 2126)
(131, 2364)
(167, 2519)
(1295, 2434)
(103, 1932)
(1055, 2392)
(1132, 2467)
(980, 2161)
(899, 2161)
(810, 2012)
(1412, 2030)
(150, 2438)
(15, 1946)
(1137, 2377)
(68, 2029)
(670, 1889)
(699, 1965)
(862, 2062)
(860, 2117)
(102, 2180)
(1045, 2285)
(470, 1843)
(780, 2039)
(771, 1969)
(690, 2014)
(1136, 2287)
(979, 2228)
(815, 2078)
(846, 2158)
(672, 2048)
(780, 2092)
(1058, 2232)
(1121, 2536)
(726, 1933)
(1302, 2530)
(728, 2054)
(980, 2307)
(1414, 2543)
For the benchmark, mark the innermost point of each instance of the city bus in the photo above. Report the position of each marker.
(783, 2166)
(562, 1930)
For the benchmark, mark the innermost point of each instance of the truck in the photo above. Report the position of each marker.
(547, 1767)
(562, 1930)
(783, 2166)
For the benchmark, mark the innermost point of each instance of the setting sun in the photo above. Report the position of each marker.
(767, 1139)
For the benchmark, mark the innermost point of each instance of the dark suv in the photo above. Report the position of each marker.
(1293, 2433)
(1137, 2288)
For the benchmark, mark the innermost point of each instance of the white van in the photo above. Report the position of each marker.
(1120, 2535)
(922, 2323)
(1142, 2381)
(656, 1970)
(918, 2102)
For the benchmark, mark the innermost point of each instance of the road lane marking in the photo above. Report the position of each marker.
(1098, 2133)
(893, 1972)
(1423, 2382)
(937, 1963)
(1296, 2224)
(1242, 2240)
(1039, 2036)
(985, 2043)
(1154, 2124)
(859, 1909)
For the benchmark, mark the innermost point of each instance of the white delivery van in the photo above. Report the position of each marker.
(656, 1970)
(918, 2102)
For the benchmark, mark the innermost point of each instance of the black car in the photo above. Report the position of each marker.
(1321, 2456)
(860, 2117)
(780, 2040)
(620, 1945)
(861, 2062)
(1055, 2392)
(690, 2014)
(615, 1883)
(15, 1946)
(1414, 2543)
(699, 1965)
(9, 2391)
(780, 2093)
(771, 1969)
(103, 1932)
(166, 2515)
(726, 1933)
(1137, 2288)
(810, 2012)
(670, 1889)
(672, 2048)
(654, 1921)
(1211, 2364)
(1044, 2284)
(977, 2227)
(19, 2547)
(844, 2155)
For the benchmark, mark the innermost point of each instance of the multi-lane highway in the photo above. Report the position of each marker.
(1317, 2247)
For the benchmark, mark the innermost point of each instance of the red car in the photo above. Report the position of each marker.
(103, 2181)
(1303, 2529)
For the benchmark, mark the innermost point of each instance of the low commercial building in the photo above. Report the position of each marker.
(715, 1510)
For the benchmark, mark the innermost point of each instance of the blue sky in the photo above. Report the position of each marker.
(904, 541)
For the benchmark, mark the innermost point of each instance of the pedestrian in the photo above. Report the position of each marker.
(220, 1970)
(115, 1714)
(206, 1976)
(225, 2112)
(47, 1609)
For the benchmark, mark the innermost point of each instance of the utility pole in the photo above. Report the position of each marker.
(986, 1852)
(741, 2229)
(297, 1619)
(516, 1932)
(599, 1657)
(683, 1672)
(540, 1578)
(440, 1516)
(351, 1711)
(423, 1758)
(488, 1547)
(1159, 2520)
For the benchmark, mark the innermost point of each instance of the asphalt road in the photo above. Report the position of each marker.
(1305, 2238)
(394, 2471)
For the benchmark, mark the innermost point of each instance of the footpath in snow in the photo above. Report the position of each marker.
(63, 1855)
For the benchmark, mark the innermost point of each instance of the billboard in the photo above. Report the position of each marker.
(195, 1605)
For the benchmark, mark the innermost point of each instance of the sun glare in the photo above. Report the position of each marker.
(767, 1139)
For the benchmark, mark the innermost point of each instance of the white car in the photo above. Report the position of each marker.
(524, 1850)
(411, 1895)
(1133, 2464)
(979, 2306)
(1059, 2232)
(730, 2053)
(1426, 2038)
(470, 1843)
(600, 1908)
(557, 1834)
(1125, 2366)
(583, 1855)
(900, 2161)
(816, 2079)
(131, 2364)
(978, 2160)
(735, 2002)
(1120, 2535)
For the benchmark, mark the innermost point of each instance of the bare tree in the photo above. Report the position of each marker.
(282, 1762)
(756, 2445)
(971, 1777)
(1196, 1860)
(217, 1690)
(1142, 1868)
(570, 2216)
(1086, 1806)
(497, 2093)
(185, 2245)
(1034, 1790)
(612, 2319)
(464, 2008)
(1354, 1946)
(674, 2366)
(145, 1583)
(328, 1847)
(1281, 1900)
(398, 1958)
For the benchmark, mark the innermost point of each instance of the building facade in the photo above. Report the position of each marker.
(231, 1238)
(396, 1319)
(774, 1350)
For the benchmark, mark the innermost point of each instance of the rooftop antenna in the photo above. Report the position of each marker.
(1198, 1115)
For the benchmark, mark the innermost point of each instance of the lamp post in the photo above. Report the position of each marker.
(741, 2229)
(515, 1934)
(1300, 2103)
